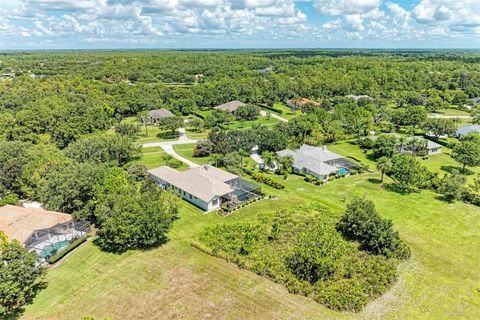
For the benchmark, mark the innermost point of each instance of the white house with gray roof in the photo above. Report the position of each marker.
(318, 162)
(207, 187)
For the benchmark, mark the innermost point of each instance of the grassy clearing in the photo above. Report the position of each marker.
(155, 135)
(264, 121)
(152, 157)
(194, 135)
(453, 112)
(185, 150)
(287, 112)
(441, 280)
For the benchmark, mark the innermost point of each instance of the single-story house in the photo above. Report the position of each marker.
(416, 145)
(298, 103)
(230, 106)
(154, 115)
(467, 129)
(318, 162)
(39, 230)
(207, 187)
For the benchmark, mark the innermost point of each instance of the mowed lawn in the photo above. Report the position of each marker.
(186, 151)
(287, 112)
(152, 157)
(440, 281)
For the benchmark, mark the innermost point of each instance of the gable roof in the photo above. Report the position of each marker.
(160, 113)
(204, 182)
(302, 101)
(230, 106)
(467, 129)
(19, 223)
(312, 158)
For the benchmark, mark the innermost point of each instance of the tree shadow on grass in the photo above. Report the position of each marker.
(455, 170)
(374, 180)
(393, 187)
(167, 135)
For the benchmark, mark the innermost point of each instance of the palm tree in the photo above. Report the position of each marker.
(384, 164)
(216, 158)
(286, 162)
(144, 118)
(268, 159)
(402, 140)
(243, 154)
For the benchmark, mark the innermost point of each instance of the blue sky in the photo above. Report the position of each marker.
(88, 24)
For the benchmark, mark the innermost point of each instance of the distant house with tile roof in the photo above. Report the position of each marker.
(298, 103)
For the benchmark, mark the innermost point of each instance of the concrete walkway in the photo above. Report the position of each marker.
(167, 146)
(273, 115)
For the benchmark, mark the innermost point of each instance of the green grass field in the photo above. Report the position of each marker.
(287, 112)
(152, 158)
(185, 150)
(248, 124)
(440, 281)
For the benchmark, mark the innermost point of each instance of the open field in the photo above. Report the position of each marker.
(440, 281)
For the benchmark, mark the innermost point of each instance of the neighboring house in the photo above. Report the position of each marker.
(207, 187)
(416, 145)
(298, 103)
(230, 106)
(318, 162)
(356, 98)
(39, 230)
(154, 115)
(467, 129)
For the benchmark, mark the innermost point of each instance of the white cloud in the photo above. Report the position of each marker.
(344, 7)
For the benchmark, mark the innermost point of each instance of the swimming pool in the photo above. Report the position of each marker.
(51, 249)
(343, 171)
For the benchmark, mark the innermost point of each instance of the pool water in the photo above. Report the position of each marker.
(343, 171)
(51, 249)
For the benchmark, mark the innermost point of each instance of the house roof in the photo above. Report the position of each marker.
(19, 223)
(160, 113)
(302, 101)
(230, 106)
(312, 158)
(433, 145)
(204, 182)
(355, 97)
(467, 129)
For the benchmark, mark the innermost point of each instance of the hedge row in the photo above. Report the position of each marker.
(68, 249)
(259, 177)
(272, 108)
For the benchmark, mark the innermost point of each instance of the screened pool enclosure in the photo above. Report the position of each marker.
(47, 242)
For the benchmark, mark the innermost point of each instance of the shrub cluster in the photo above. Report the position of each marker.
(303, 250)
(263, 178)
(361, 223)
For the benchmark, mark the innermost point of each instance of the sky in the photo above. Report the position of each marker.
(183, 24)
